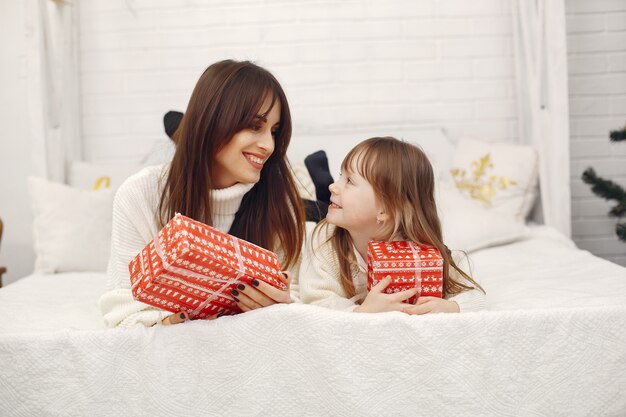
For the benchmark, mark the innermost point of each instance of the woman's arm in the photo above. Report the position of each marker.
(131, 231)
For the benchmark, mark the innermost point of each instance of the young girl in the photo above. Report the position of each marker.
(385, 192)
(230, 171)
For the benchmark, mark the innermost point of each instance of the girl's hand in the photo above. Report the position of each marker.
(426, 305)
(378, 302)
(261, 294)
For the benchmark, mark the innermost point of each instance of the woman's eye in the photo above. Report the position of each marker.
(274, 133)
(256, 128)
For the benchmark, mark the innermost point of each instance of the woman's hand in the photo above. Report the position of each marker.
(426, 305)
(377, 301)
(182, 317)
(261, 294)
(175, 318)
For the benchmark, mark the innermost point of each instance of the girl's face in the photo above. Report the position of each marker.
(353, 203)
(242, 159)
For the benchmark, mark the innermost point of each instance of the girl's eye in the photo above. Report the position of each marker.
(256, 128)
(349, 180)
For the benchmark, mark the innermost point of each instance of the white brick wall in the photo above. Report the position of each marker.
(355, 63)
(342, 63)
(597, 83)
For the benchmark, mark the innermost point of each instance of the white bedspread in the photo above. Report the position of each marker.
(49, 302)
(546, 270)
(303, 360)
(554, 345)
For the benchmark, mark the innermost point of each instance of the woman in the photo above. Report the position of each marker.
(229, 171)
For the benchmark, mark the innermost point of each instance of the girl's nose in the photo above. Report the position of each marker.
(333, 188)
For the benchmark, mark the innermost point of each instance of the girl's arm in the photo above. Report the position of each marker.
(320, 284)
(470, 300)
(319, 276)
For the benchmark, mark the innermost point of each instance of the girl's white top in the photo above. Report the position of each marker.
(320, 284)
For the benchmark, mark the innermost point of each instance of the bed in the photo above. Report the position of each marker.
(552, 343)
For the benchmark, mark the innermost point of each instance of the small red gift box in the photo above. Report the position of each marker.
(192, 267)
(409, 264)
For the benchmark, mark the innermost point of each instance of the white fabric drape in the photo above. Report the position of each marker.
(541, 70)
(53, 85)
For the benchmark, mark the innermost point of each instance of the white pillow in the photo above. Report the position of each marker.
(468, 226)
(71, 227)
(92, 176)
(507, 182)
(304, 183)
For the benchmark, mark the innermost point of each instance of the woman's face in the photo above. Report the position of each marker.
(242, 159)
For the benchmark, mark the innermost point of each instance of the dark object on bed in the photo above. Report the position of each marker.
(2, 269)
(171, 120)
(316, 164)
(315, 210)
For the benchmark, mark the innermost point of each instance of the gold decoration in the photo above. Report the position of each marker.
(106, 181)
(481, 186)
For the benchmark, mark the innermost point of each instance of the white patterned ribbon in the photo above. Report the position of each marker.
(191, 274)
(418, 269)
(240, 273)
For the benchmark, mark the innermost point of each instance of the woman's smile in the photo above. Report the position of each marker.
(255, 160)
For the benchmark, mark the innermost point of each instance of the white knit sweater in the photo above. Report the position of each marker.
(320, 283)
(135, 224)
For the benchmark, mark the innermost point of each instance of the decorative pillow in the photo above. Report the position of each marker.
(467, 225)
(91, 176)
(502, 177)
(71, 227)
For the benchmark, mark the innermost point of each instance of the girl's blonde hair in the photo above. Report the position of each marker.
(404, 184)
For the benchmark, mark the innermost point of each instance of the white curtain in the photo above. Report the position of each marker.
(53, 85)
(541, 70)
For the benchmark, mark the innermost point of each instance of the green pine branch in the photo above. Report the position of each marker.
(620, 229)
(608, 190)
(618, 135)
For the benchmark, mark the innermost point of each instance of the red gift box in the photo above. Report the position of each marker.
(192, 267)
(409, 264)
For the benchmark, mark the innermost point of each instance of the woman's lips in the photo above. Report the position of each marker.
(254, 160)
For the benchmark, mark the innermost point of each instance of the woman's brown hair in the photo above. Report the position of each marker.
(227, 99)
(404, 184)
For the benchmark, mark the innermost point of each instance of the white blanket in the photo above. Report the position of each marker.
(554, 344)
(303, 360)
